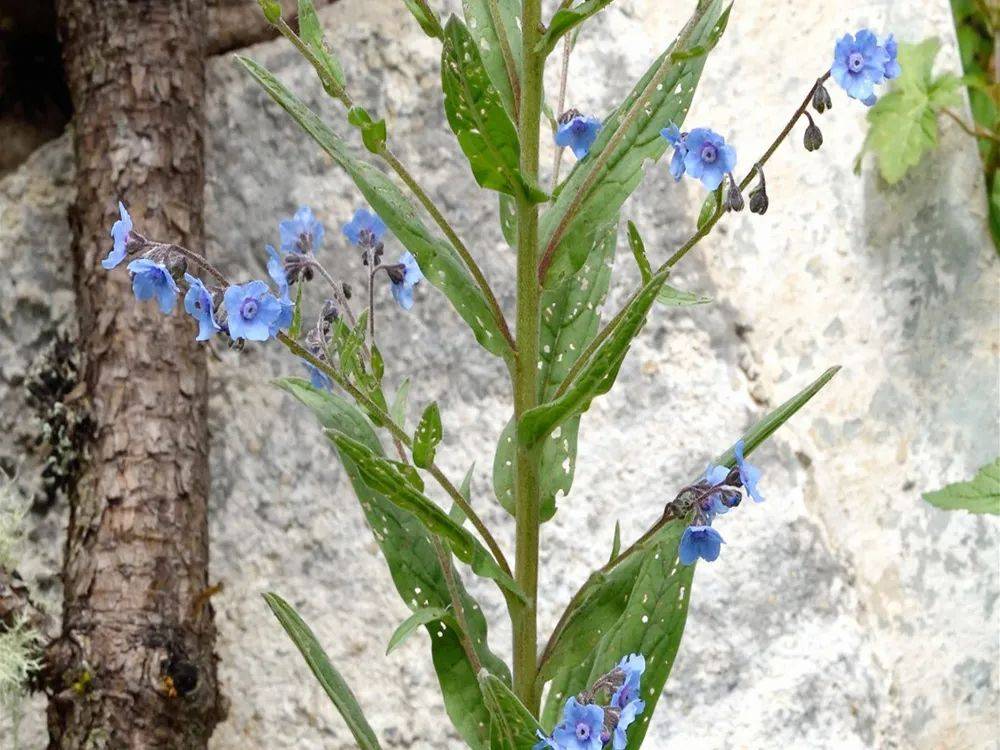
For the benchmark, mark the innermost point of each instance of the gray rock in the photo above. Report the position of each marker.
(844, 613)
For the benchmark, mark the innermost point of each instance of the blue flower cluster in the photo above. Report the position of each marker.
(702, 153)
(577, 132)
(587, 725)
(860, 63)
(718, 492)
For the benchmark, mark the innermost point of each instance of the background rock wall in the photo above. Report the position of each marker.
(844, 613)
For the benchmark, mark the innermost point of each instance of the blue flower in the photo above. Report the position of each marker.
(749, 474)
(403, 278)
(578, 133)
(276, 270)
(151, 279)
(716, 475)
(198, 303)
(119, 232)
(633, 666)
(708, 158)
(319, 379)
(628, 714)
(700, 541)
(580, 728)
(677, 139)
(252, 311)
(859, 63)
(892, 69)
(302, 233)
(364, 221)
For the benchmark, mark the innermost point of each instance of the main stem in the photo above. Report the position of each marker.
(526, 486)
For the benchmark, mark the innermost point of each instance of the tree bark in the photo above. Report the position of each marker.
(134, 663)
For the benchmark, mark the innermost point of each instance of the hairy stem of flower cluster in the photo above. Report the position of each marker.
(568, 41)
(702, 231)
(526, 465)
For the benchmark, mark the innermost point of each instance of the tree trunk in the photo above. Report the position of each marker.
(135, 666)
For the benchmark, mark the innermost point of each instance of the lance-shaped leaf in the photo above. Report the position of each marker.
(485, 31)
(638, 248)
(598, 185)
(310, 32)
(676, 298)
(426, 18)
(638, 601)
(512, 727)
(566, 19)
(598, 374)
(571, 315)
(981, 494)
(476, 114)
(334, 685)
(416, 571)
(422, 616)
(438, 260)
(384, 477)
(427, 436)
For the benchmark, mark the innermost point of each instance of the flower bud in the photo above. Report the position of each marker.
(814, 137)
(734, 199)
(758, 196)
(821, 100)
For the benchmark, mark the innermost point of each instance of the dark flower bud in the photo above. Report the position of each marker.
(821, 100)
(298, 267)
(568, 115)
(734, 199)
(330, 312)
(758, 196)
(348, 291)
(396, 272)
(814, 137)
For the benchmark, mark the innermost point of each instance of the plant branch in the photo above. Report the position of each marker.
(561, 106)
(973, 130)
(702, 231)
(444, 558)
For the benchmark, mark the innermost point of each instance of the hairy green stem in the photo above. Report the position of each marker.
(526, 465)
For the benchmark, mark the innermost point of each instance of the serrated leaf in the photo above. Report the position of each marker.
(384, 477)
(638, 248)
(373, 132)
(638, 601)
(333, 684)
(570, 319)
(598, 375)
(427, 436)
(981, 494)
(512, 727)
(426, 18)
(423, 616)
(438, 260)
(311, 33)
(599, 184)
(416, 571)
(565, 20)
(477, 116)
(676, 298)
(485, 33)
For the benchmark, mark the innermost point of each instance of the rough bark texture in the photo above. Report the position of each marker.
(136, 653)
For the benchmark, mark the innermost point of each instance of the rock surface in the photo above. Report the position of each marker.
(844, 612)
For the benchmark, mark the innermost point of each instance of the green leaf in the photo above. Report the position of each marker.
(903, 124)
(676, 298)
(476, 114)
(310, 31)
(981, 494)
(438, 260)
(638, 601)
(598, 375)
(397, 412)
(508, 219)
(571, 315)
(327, 676)
(416, 571)
(373, 132)
(427, 18)
(639, 252)
(565, 20)
(708, 207)
(423, 616)
(385, 477)
(616, 543)
(295, 329)
(465, 490)
(485, 33)
(599, 184)
(512, 727)
(427, 436)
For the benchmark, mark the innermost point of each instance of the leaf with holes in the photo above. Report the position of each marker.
(415, 569)
(598, 185)
(571, 315)
(512, 727)
(440, 263)
(427, 436)
(486, 33)
(423, 616)
(326, 674)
